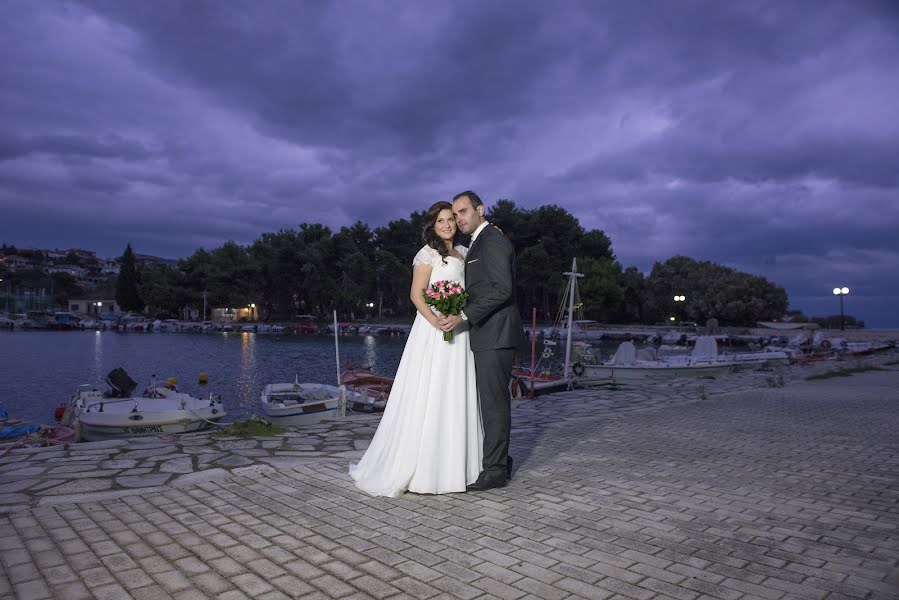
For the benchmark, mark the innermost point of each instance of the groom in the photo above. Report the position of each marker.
(494, 332)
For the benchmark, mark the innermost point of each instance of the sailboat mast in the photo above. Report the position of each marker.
(572, 278)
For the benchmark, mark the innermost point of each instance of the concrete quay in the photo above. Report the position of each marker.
(756, 485)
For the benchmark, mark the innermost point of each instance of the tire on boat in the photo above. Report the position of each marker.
(518, 388)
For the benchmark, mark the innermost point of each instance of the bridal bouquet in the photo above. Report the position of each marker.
(448, 297)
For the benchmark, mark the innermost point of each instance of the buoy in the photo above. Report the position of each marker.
(204, 378)
(171, 382)
(60, 411)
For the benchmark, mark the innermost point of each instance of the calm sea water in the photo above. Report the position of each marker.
(39, 369)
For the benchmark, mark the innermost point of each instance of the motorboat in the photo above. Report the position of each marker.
(161, 409)
(705, 350)
(581, 329)
(298, 403)
(366, 379)
(627, 366)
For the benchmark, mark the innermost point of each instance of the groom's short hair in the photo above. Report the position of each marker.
(475, 200)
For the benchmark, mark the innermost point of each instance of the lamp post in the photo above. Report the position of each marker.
(843, 291)
(680, 298)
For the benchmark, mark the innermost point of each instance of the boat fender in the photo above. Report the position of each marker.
(826, 344)
(520, 388)
(577, 369)
(59, 411)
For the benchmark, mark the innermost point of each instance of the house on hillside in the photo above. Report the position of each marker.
(94, 306)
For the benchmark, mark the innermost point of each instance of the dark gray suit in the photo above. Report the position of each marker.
(494, 333)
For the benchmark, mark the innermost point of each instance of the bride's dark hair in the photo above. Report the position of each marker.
(428, 235)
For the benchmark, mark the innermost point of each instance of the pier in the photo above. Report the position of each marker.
(759, 485)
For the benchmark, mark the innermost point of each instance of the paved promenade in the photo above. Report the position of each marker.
(758, 485)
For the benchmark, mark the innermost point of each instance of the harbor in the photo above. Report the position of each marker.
(764, 484)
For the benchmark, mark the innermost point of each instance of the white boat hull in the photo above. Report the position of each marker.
(168, 411)
(741, 361)
(653, 372)
(94, 432)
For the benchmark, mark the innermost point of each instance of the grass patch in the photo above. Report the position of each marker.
(252, 427)
(842, 373)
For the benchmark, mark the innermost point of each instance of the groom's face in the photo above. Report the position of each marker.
(468, 218)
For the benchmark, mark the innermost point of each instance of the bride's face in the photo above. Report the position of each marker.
(445, 225)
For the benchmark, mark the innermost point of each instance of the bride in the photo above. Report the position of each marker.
(429, 440)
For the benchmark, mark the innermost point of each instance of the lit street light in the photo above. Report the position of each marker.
(679, 298)
(843, 291)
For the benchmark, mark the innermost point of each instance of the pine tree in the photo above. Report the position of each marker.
(126, 293)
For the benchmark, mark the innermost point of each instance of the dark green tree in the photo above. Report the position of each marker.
(162, 290)
(600, 289)
(127, 295)
(711, 290)
(65, 287)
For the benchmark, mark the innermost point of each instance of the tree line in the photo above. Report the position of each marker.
(312, 269)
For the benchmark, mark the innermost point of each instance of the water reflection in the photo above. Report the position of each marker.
(371, 351)
(97, 367)
(246, 380)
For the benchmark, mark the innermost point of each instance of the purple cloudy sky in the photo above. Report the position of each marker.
(763, 135)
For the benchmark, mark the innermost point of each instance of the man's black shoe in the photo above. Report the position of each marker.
(487, 483)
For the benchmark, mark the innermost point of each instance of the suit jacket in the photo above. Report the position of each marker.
(493, 317)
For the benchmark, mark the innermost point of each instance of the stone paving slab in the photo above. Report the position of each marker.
(770, 492)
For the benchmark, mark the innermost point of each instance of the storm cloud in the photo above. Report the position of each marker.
(761, 135)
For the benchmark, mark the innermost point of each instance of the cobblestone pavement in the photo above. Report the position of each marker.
(730, 489)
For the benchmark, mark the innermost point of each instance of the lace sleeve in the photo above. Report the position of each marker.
(425, 256)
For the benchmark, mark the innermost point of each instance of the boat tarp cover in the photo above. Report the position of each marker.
(121, 383)
(11, 432)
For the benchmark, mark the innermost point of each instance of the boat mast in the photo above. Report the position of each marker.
(341, 390)
(572, 282)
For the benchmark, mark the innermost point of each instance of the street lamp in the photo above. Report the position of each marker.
(679, 298)
(843, 291)
(252, 311)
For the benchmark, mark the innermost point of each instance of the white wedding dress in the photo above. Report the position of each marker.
(430, 438)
